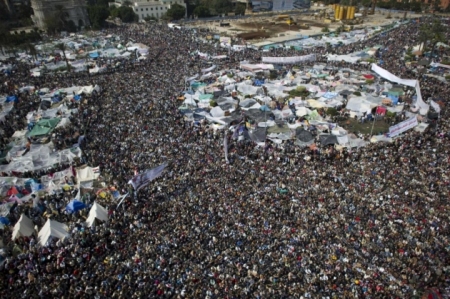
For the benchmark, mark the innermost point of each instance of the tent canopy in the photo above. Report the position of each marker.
(23, 228)
(52, 229)
(44, 127)
(75, 206)
(96, 212)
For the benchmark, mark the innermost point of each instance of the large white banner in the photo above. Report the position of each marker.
(289, 60)
(408, 82)
(403, 126)
(208, 69)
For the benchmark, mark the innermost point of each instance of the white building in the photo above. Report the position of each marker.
(75, 9)
(150, 8)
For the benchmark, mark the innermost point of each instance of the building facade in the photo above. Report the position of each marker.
(150, 8)
(76, 10)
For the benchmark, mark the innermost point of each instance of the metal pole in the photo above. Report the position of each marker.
(373, 124)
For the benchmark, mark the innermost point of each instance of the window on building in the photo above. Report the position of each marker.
(146, 9)
(157, 14)
(162, 8)
(151, 8)
(142, 9)
(156, 8)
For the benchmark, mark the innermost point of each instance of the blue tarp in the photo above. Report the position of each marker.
(77, 97)
(75, 206)
(93, 55)
(394, 99)
(11, 99)
(259, 82)
(265, 108)
(4, 220)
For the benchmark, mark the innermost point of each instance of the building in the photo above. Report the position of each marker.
(76, 10)
(150, 8)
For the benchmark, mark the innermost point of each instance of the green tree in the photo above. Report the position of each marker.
(222, 6)
(201, 11)
(176, 12)
(432, 34)
(62, 48)
(126, 14)
(97, 15)
(240, 9)
(415, 6)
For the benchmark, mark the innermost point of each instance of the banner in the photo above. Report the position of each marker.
(226, 41)
(289, 60)
(143, 179)
(191, 78)
(225, 147)
(208, 69)
(435, 106)
(403, 126)
(408, 82)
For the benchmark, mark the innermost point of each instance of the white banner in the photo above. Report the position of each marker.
(408, 82)
(403, 126)
(191, 78)
(225, 147)
(289, 60)
(208, 69)
(435, 106)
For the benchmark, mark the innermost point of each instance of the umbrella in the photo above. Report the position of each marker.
(4, 221)
(328, 139)
(75, 206)
(303, 135)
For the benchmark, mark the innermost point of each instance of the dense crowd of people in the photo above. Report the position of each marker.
(279, 221)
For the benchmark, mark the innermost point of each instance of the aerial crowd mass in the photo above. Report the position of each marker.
(271, 220)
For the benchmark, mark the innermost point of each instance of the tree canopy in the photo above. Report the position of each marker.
(125, 13)
(201, 11)
(176, 12)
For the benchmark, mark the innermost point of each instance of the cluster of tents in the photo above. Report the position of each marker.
(54, 229)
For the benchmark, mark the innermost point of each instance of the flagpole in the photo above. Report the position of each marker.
(373, 124)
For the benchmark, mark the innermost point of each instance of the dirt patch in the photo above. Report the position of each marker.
(253, 35)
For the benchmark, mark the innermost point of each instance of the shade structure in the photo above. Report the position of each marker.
(52, 229)
(328, 140)
(23, 228)
(303, 135)
(96, 212)
(75, 206)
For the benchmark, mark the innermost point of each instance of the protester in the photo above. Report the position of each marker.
(278, 221)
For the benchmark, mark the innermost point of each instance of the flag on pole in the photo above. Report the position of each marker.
(435, 106)
(225, 147)
(143, 179)
(122, 199)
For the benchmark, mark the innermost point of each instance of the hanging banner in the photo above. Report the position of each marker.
(289, 60)
(403, 126)
(226, 41)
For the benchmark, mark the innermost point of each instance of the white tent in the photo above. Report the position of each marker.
(24, 227)
(87, 173)
(52, 229)
(96, 212)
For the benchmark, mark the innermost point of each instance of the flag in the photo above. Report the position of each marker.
(435, 106)
(141, 180)
(225, 147)
(121, 199)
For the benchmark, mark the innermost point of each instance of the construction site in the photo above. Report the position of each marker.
(276, 27)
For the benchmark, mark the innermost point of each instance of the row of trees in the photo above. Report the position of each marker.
(207, 8)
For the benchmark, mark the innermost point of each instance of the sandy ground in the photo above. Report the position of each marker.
(260, 31)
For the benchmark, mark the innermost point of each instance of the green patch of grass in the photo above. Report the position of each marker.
(365, 128)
